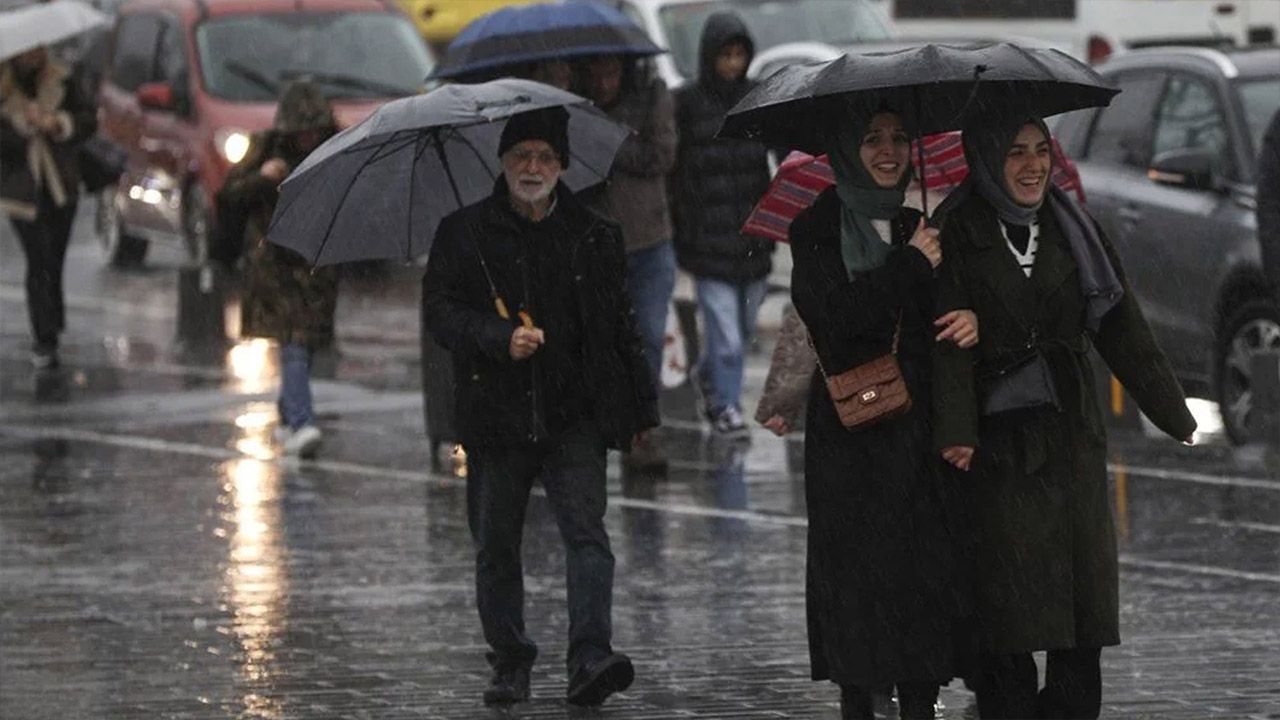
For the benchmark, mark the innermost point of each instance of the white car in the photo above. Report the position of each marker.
(819, 25)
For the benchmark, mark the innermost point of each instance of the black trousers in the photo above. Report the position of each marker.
(44, 241)
(572, 471)
(915, 702)
(1007, 686)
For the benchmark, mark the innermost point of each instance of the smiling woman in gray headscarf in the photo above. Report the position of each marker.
(883, 600)
(1046, 286)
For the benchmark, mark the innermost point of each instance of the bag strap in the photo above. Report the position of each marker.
(897, 333)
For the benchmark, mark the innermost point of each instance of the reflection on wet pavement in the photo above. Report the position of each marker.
(158, 559)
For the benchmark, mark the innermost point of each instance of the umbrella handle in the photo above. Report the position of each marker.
(924, 185)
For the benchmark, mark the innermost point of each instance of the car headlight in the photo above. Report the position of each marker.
(233, 145)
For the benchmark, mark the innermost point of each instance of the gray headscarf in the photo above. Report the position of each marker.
(986, 145)
(861, 199)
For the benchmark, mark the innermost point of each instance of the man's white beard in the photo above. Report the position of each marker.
(521, 193)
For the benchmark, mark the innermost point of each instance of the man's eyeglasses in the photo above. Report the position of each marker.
(541, 157)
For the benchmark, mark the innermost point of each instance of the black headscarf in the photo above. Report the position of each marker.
(986, 145)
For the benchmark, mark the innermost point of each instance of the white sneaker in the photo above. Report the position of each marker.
(302, 442)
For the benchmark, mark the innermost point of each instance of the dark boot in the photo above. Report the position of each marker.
(592, 684)
(508, 686)
(856, 704)
(916, 701)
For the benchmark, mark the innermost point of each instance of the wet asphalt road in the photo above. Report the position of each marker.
(157, 560)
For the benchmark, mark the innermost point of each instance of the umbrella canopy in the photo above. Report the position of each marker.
(545, 31)
(30, 27)
(802, 177)
(936, 87)
(378, 190)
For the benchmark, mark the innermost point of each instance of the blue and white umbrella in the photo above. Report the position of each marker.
(544, 31)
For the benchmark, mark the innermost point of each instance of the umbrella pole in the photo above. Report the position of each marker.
(924, 186)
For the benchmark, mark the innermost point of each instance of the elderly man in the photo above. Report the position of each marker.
(527, 290)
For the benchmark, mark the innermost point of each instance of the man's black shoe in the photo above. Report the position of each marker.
(508, 687)
(591, 685)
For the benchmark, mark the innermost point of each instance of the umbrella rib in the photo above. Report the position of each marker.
(281, 213)
(475, 151)
(333, 220)
(444, 164)
(420, 147)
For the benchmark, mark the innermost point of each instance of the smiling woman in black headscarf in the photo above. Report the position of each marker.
(1020, 414)
(881, 593)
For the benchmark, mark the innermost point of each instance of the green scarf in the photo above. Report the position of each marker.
(861, 199)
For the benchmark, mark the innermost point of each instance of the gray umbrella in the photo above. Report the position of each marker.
(379, 189)
(45, 24)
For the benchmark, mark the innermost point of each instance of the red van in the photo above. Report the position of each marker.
(188, 81)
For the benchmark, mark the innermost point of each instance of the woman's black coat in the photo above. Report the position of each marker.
(882, 590)
(1036, 494)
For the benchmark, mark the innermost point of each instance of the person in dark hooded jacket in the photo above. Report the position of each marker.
(717, 182)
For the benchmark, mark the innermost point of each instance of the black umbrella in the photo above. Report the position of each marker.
(379, 189)
(937, 88)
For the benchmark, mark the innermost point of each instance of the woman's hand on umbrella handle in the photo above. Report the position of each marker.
(958, 455)
(925, 240)
(777, 425)
(959, 326)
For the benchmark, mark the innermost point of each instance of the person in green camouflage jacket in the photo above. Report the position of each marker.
(284, 298)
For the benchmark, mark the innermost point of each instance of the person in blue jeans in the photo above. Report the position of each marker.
(717, 183)
(636, 197)
(285, 299)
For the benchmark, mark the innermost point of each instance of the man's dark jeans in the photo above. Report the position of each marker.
(572, 470)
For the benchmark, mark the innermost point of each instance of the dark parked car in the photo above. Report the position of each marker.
(1170, 172)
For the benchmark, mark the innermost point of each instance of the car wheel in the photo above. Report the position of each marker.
(1252, 329)
(120, 249)
(196, 224)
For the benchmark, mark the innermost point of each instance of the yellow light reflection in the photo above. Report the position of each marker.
(257, 421)
(253, 365)
(257, 583)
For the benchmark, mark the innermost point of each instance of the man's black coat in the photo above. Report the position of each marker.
(496, 395)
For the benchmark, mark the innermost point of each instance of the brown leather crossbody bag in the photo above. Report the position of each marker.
(871, 392)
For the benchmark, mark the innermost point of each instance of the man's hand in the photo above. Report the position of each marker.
(525, 342)
(959, 456)
(274, 170)
(777, 425)
(961, 326)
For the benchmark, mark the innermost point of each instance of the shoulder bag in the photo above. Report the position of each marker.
(871, 392)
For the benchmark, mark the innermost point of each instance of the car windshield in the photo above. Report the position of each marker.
(247, 58)
(771, 22)
(1261, 100)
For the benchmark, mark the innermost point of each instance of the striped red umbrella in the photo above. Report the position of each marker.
(801, 178)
